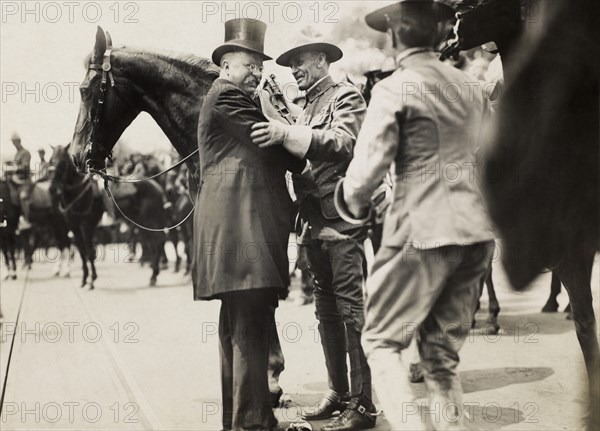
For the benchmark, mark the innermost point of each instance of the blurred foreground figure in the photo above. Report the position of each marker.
(437, 242)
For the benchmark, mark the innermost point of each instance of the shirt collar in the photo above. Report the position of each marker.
(318, 87)
(410, 52)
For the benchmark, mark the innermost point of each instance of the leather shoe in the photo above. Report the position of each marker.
(359, 415)
(276, 397)
(330, 403)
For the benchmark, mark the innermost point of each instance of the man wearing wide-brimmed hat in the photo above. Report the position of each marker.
(437, 241)
(241, 226)
(330, 248)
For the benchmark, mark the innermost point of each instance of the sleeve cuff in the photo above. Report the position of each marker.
(297, 141)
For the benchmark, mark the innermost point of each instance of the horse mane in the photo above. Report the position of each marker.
(200, 66)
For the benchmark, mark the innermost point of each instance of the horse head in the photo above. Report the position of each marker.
(106, 109)
(480, 22)
(62, 169)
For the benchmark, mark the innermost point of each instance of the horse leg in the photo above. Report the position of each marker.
(82, 254)
(164, 262)
(6, 258)
(174, 238)
(478, 306)
(188, 255)
(493, 307)
(156, 245)
(88, 241)
(576, 273)
(552, 303)
(12, 251)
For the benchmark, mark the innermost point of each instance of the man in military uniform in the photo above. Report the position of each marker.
(241, 226)
(437, 241)
(43, 173)
(22, 174)
(325, 134)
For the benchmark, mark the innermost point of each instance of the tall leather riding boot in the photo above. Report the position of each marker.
(333, 341)
(360, 372)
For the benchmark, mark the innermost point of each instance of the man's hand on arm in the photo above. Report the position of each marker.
(269, 133)
(295, 139)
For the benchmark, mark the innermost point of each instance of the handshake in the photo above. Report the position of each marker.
(380, 200)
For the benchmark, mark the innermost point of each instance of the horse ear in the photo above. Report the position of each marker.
(67, 147)
(108, 40)
(100, 46)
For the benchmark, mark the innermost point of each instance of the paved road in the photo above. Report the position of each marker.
(127, 356)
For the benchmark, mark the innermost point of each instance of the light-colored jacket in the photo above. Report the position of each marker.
(424, 121)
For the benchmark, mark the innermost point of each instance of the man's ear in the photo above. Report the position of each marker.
(322, 59)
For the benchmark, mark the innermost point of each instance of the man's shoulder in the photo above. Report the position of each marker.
(343, 91)
(344, 88)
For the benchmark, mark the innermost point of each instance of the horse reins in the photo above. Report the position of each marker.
(80, 195)
(95, 145)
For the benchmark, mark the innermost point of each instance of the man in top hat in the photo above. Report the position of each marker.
(437, 240)
(241, 226)
(330, 248)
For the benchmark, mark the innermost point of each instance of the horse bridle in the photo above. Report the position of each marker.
(96, 146)
(106, 67)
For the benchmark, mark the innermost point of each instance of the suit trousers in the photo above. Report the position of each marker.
(246, 328)
(432, 293)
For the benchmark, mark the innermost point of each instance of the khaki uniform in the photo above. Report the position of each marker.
(424, 123)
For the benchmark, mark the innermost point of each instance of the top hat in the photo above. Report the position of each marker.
(309, 40)
(242, 34)
(378, 20)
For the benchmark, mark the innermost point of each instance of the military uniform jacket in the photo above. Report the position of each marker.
(325, 134)
(424, 121)
(243, 209)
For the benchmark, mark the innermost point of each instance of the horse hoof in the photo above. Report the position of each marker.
(550, 307)
(14, 277)
(491, 329)
(153, 281)
(91, 287)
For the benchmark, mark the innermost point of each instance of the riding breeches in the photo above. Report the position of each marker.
(338, 271)
(433, 293)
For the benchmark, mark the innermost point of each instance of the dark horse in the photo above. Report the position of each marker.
(79, 201)
(146, 204)
(167, 86)
(9, 222)
(542, 163)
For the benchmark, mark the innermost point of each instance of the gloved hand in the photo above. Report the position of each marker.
(381, 199)
(269, 134)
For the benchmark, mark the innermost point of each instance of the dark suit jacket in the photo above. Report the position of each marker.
(243, 209)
